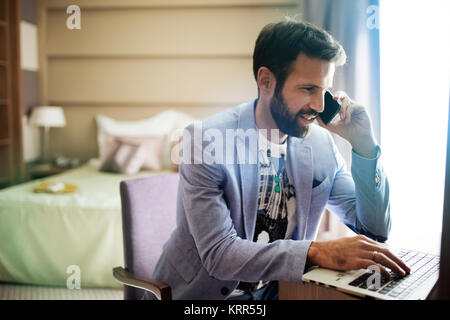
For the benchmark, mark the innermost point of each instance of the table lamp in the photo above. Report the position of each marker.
(47, 117)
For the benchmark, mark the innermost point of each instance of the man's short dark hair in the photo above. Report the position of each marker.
(279, 44)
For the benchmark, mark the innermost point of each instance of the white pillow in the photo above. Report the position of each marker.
(164, 123)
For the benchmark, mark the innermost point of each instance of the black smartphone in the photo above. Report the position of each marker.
(331, 108)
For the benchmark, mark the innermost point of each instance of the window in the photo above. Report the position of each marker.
(414, 86)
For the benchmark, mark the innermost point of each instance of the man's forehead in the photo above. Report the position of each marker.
(312, 71)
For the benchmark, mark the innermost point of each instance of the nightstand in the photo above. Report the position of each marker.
(39, 171)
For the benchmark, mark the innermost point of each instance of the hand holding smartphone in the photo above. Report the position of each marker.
(331, 108)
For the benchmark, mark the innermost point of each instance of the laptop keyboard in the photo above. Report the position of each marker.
(422, 267)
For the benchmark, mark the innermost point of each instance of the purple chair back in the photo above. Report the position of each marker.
(148, 219)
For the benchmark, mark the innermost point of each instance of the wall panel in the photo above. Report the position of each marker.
(161, 31)
(151, 80)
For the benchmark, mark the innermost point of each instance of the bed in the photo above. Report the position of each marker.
(48, 239)
(42, 235)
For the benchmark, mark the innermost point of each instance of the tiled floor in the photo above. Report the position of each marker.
(29, 292)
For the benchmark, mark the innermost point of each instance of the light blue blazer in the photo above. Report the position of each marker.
(211, 249)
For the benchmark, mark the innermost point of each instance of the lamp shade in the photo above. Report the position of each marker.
(48, 116)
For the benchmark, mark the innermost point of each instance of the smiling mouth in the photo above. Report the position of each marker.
(309, 117)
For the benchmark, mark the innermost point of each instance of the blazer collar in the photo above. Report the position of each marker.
(247, 116)
(300, 160)
(249, 170)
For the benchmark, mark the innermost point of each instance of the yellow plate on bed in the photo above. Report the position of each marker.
(54, 187)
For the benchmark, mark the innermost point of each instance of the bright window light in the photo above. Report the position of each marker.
(415, 71)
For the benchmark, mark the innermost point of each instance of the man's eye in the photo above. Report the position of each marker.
(309, 89)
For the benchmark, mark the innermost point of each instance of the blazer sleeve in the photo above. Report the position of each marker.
(222, 252)
(361, 199)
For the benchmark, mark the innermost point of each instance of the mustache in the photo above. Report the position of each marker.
(309, 112)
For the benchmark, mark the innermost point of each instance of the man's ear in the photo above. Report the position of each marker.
(266, 81)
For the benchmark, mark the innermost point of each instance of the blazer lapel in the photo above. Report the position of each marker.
(300, 162)
(248, 162)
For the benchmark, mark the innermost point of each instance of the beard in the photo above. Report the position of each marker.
(285, 121)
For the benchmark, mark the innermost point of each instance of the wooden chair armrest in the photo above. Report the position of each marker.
(161, 290)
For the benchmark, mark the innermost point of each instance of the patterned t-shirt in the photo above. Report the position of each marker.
(276, 197)
(276, 217)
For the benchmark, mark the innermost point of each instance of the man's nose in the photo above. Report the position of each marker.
(317, 104)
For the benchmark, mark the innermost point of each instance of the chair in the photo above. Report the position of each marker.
(148, 218)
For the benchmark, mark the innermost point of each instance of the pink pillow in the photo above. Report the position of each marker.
(123, 157)
(130, 154)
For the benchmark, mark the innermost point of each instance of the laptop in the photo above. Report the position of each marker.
(426, 269)
(363, 283)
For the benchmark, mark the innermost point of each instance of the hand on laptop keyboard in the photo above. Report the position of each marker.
(422, 267)
(354, 253)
